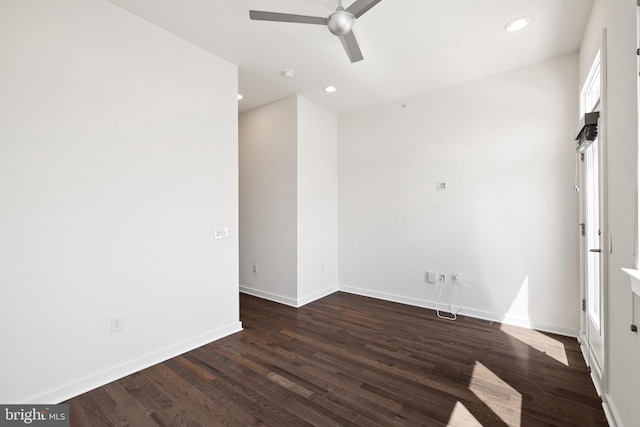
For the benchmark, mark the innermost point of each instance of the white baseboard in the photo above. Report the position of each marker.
(478, 314)
(466, 311)
(93, 381)
(610, 411)
(291, 302)
(596, 376)
(583, 348)
(317, 295)
(388, 297)
(595, 372)
(114, 373)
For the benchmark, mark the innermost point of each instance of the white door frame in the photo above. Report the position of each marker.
(596, 355)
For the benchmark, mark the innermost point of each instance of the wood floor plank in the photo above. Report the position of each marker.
(164, 410)
(86, 412)
(130, 408)
(350, 360)
(198, 404)
(269, 405)
(280, 396)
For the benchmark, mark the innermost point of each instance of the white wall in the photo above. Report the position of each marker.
(268, 201)
(288, 202)
(619, 17)
(507, 221)
(118, 157)
(317, 202)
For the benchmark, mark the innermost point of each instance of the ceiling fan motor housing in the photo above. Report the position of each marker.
(340, 22)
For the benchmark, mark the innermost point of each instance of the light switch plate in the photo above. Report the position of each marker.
(221, 233)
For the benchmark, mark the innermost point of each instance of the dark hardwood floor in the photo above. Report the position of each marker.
(350, 360)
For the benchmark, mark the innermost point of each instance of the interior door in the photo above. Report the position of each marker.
(594, 251)
(594, 245)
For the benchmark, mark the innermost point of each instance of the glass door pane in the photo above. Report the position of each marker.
(593, 233)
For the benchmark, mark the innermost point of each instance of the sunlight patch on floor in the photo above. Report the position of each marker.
(500, 397)
(461, 417)
(541, 342)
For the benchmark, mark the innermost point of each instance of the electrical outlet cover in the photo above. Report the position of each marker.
(117, 323)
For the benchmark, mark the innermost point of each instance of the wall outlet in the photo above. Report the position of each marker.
(255, 268)
(221, 233)
(455, 279)
(117, 323)
(443, 278)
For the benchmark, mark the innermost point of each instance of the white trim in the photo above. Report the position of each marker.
(636, 219)
(593, 80)
(596, 374)
(611, 412)
(291, 302)
(416, 302)
(635, 279)
(317, 295)
(582, 340)
(114, 373)
(466, 311)
(603, 141)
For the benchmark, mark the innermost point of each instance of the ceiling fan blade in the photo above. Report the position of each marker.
(359, 8)
(286, 17)
(350, 44)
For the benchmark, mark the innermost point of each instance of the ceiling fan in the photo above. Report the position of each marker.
(340, 23)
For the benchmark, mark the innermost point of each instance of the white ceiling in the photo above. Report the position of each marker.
(409, 46)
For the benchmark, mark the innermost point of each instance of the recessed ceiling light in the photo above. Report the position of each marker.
(517, 24)
(240, 97)
(330, 89)
(288, 74)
